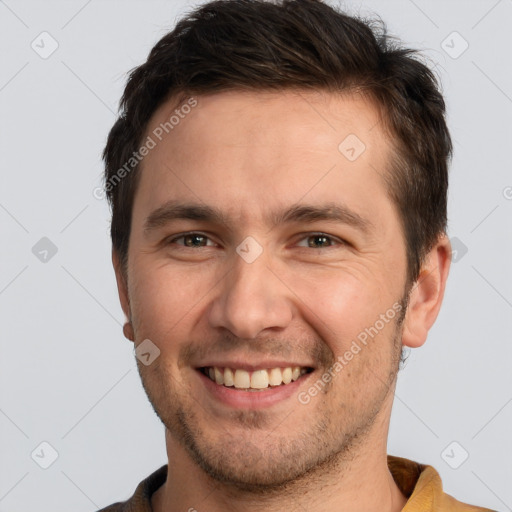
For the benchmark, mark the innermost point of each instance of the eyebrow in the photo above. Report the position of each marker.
(175, 210)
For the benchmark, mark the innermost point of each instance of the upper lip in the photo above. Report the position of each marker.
(244, 364)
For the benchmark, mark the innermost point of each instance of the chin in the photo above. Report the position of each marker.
(258, 466)
(248, 475)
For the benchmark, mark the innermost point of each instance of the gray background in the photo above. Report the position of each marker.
(67, 375)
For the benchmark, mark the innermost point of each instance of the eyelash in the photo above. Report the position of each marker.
(333, 239)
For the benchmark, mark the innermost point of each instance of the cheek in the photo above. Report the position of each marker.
(162, 298)
(341, 307)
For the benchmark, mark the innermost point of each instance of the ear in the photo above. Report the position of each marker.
(427, 294)
(122, 289)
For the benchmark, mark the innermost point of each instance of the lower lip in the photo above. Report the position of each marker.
(240, 399)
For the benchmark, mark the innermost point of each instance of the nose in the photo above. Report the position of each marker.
(251, 298)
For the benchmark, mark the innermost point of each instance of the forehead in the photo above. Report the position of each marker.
(246, 151)
(276, 118)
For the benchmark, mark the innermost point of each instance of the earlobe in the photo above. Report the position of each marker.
(122, 289)
(427, 293)
(128, 331)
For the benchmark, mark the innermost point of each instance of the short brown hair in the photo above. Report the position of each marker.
(295, 44)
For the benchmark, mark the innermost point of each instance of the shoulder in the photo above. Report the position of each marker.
(422, 485)
(449, 503)
(140, 501)
(115, 507)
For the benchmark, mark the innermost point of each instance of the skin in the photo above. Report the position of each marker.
(303, 300)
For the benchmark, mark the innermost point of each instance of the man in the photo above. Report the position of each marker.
(278, 182)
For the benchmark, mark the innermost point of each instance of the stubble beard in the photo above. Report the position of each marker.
(277, 463)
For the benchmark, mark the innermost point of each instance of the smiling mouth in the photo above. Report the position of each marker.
(254, 380)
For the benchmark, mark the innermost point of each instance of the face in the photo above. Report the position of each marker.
(259, 243)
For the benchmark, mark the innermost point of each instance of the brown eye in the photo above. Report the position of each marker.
(192, 240)
(318, 241)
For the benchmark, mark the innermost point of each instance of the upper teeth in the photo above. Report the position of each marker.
(258, 379)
